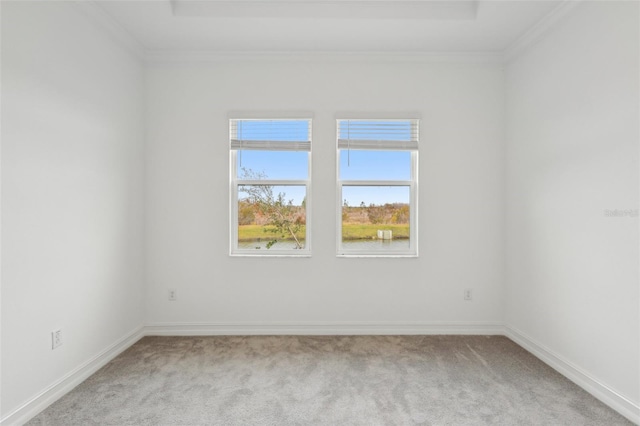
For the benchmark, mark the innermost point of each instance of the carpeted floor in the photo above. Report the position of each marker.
(327, 380)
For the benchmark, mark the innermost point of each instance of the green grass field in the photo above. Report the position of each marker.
(350, 231)
(258, 232)
(368, 231)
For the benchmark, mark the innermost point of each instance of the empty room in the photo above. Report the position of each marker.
(325, 212)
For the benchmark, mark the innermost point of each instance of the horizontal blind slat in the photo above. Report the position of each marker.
(379, 145)
(400, 135)
(270, 134)
(271, 145)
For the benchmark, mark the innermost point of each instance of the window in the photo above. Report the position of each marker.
(270, 163)
(377, 187)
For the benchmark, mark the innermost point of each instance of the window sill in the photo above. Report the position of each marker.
(263, 254)
(378, 255)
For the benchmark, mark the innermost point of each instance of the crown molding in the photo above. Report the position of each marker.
(320, 9)
(210, 56)
(538, 31)
(100, 18)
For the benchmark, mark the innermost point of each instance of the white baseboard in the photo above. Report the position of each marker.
(58, 389)
(618, 402)
(613, 399)
(323, 328)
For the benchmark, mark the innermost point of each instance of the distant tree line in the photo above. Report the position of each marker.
(388, 213)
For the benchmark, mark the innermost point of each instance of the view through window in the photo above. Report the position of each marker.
(270, 161)
(377, 187)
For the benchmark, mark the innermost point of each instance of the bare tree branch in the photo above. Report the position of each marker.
(281, 214)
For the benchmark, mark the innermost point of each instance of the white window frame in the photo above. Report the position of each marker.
(412, 183)
(236, 182)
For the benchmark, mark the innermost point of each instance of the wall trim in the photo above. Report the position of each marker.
(460, 10)
(72, 379)
(98, 16)
(539, 30)
(167, 57)
(101, 19)
(323, 328)
(599, 390)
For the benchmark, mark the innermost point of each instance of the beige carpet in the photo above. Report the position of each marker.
(327, 380)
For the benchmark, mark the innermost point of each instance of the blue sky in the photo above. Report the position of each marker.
(369, 165)
(354, 164)
(295, 193)
(354, 195)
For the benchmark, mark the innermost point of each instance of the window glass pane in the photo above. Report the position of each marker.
(272, 164)
(375, 218)
(375, 165)
(271, 217)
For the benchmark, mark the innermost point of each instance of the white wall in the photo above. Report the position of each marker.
(460, 207)
(73, 195)
(72, 182)
(572, 153)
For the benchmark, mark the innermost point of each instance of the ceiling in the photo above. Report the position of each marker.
(416, 26)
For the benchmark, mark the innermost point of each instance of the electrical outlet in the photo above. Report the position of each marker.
(173, 294)
(468, 294)
(56, 338)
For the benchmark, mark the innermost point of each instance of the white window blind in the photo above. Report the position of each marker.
(396, 135)
(270, 135)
